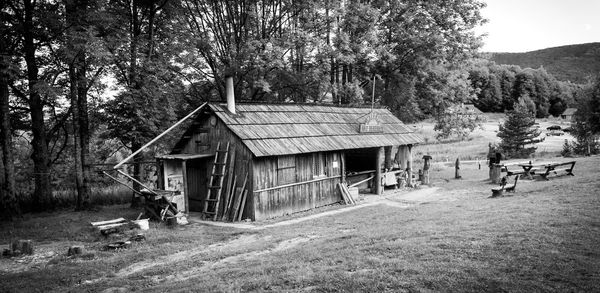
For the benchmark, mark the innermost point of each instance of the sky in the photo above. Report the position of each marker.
(528, 25)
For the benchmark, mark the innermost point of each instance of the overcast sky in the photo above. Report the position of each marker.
(527, 25)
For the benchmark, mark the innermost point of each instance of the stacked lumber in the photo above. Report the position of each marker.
(236, 201)
(346, 193)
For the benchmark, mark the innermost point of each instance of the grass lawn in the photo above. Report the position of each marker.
(542, 238)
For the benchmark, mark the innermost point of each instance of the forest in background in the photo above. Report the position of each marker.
(575, 63)
(84, 81)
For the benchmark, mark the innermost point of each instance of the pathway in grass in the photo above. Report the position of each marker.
(236, 249)
(394, 199)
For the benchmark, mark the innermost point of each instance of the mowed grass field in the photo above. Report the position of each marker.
(450, 237)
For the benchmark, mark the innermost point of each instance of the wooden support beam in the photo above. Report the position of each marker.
(379, 159)
(343, 166)
(186, 193)
(388, 157)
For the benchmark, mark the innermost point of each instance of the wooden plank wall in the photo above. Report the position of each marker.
(212, 131)
(310, 193)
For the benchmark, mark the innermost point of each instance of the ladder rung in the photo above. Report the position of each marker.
(207, 212)
(218, 174)
(214, 187)
(211, 199)
(219, 163)
(221, 151)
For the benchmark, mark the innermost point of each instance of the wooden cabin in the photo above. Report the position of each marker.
(286, 157)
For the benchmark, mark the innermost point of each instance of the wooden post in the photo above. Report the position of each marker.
(160, 174)
(426, 166)
(409, 162)
(377, 183)
(496, 173)
(186, 193)
(388, 157)
(409, 173)
(343, 166)
(457, 169)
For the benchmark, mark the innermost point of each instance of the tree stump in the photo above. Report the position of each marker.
(75, 250)
(496, 173)
(426, 165)
(22, 246)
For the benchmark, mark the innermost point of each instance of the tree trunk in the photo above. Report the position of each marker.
(79, 181)
(8, 200)
(135, 200)
(42, 197)
(76, 11)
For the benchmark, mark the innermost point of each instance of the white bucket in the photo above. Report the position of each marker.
(143, 224)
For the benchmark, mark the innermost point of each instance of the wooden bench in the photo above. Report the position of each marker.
(566, 167)
(504, 185)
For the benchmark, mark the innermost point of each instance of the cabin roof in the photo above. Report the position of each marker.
(569, 111)
(285, 129)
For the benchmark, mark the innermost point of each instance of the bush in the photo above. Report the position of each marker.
(567, 150)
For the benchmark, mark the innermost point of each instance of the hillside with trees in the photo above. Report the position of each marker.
(498, 87)
(574, 63)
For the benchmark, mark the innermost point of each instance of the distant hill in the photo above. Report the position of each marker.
(573, 63)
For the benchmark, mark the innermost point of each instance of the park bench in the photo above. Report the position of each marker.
(558, 167)
(504, 185)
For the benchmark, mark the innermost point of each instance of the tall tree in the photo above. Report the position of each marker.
(76, 14)
(518, 131)
(9, 206)
(36, 24)
(142, 39)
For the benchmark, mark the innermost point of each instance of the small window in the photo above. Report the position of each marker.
(286, 170)
(319, 165)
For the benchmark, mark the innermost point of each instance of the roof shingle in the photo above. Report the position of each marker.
(273, 130)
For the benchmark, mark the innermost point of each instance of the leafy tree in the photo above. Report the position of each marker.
(9, 206)
(586, 128)
(456, 122)
(518, 131)
(36, 25)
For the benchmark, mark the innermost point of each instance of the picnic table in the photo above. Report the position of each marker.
(545, 168)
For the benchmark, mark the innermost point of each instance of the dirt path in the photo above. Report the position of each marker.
(237, 249)
(394, 199)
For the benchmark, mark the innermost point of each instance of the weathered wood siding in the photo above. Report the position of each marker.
(280, 189)
(210, 131)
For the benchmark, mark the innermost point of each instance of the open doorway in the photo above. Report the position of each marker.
(360, 165)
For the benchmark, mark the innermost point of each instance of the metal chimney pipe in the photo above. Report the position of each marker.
(230, 94)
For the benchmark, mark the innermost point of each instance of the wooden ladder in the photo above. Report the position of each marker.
(215, 183)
